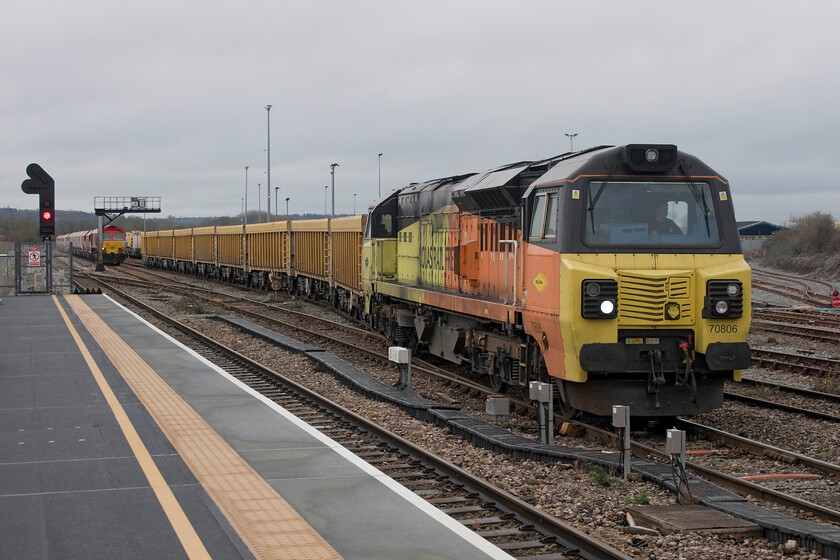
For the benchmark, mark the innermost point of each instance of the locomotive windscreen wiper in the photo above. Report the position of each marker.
(594, 201)
(700, 199)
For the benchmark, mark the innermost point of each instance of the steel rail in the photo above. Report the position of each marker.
(640, 450)
(577, 542)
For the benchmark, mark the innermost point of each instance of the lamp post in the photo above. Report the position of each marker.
(380, 173)
(287, 207)
(268, 163)
(246, 195)
(332, 173)
(259, 203)
(325, 199)
(276, 200)
(354, 204)
(571, 141)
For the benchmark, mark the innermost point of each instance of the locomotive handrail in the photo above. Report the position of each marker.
(375, 275)
(515, 261)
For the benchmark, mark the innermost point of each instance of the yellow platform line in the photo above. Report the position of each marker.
(177, 518)
(267, 524)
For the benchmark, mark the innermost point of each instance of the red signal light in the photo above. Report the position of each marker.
(46, 215)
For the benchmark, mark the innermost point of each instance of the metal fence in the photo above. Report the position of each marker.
(30, 270)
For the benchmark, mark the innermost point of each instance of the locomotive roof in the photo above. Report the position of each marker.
(616, 160)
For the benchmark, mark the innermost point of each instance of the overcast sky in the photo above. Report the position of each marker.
(167, 98)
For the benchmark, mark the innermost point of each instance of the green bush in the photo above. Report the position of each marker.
(814, 234)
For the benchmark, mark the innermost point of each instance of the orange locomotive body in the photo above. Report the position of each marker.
(615, 274)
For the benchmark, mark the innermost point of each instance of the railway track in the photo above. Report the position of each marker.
(808, 399)
(798, 363)
(515, 526)
(793, 287)
(727, 480)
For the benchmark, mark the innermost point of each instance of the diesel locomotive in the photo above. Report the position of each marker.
(86, 243)
(614, 273)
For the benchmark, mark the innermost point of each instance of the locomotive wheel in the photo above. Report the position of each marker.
(496, 382)
(561, 400)
(501, 371)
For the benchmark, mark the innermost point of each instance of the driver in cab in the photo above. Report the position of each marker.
(659, 224)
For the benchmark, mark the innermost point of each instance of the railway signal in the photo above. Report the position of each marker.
(43, 185)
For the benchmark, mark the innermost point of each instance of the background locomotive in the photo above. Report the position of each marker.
(615, 272)
(85, 244)
(132, 244)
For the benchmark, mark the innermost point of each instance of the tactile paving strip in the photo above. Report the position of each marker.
(267, 524)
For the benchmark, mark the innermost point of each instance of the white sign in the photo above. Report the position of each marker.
(34, 258)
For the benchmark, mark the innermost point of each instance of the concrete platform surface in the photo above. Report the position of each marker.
(71, 487)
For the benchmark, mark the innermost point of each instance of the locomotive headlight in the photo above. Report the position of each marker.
(672, 311)
(599, 298)
(651, 155)
(724, 299)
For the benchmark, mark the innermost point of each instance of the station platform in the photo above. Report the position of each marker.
(118, 442)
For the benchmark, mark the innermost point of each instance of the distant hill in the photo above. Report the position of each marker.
(22, 225)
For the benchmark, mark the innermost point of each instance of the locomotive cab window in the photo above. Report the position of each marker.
(544, 217)
(381, 222)
(655, 214)
(383, 225)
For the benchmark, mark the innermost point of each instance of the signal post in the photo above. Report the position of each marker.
(41, 183)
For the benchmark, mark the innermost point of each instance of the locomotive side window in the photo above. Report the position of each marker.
(382, 221)
(544, 217)
(551, 217)
(538, 217)
(383, 226)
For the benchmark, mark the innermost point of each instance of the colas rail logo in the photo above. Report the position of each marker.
(540, 282)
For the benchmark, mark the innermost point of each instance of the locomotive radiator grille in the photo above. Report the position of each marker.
(642, 297)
